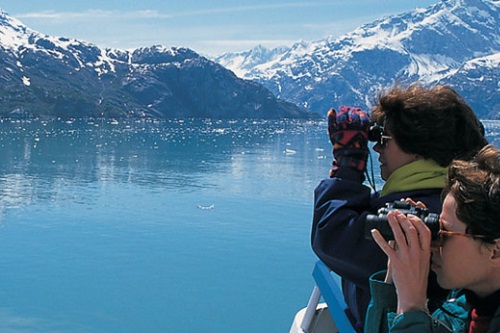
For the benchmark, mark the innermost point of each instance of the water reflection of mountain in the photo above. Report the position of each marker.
(40, 156)
(60, 161)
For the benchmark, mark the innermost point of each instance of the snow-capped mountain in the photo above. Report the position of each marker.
(244, 62)
(45, 76)
(455, 42)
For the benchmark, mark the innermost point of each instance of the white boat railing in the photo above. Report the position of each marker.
(311, 309)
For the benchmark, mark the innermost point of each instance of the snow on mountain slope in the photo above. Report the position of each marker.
(429, 45)
(46, 76)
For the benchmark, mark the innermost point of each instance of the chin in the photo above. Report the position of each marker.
(445, 283)
(384, 173)
(383, 176)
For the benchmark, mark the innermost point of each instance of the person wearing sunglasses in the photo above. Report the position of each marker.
(464, 254)
(417, 132)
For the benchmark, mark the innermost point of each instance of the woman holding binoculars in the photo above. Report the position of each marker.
(417, 132)
(465, 256)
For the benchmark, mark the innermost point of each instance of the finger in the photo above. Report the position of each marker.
(424, 234)
(354, 116)
(409, 230)
(332, 114)
(415, 203)
(381, 242)
(420, 204)
(388, 276)
(410, 200)
(332, 120)
(395, 219)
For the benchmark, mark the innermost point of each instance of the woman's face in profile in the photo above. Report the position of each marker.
(392, 157)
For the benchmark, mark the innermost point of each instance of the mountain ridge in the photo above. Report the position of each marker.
(47, 76)
(433, 45)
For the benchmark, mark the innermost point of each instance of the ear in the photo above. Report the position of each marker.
(495, 253)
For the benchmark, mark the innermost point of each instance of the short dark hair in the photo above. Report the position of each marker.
(435, 123)
(475, 185)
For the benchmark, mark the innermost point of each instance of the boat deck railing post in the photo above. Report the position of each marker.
(311, 309)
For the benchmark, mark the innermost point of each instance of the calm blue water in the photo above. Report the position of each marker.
(193, 226)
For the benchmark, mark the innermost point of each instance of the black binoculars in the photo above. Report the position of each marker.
(379, 221)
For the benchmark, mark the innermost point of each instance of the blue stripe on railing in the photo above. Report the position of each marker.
(329, 285)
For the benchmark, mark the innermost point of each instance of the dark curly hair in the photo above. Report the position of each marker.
(475, 185)
(435, 123)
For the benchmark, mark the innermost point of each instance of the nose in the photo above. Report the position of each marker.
(377, 147)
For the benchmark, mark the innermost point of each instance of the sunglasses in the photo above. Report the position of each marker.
(376, 134)
(443, 234)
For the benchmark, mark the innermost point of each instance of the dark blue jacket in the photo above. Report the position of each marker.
(338, 236)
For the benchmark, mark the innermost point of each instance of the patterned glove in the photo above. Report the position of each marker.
(348, 131)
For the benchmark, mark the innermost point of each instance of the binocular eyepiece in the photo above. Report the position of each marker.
(375, 132)
(379, 221)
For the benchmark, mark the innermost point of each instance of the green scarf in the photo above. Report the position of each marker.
(421, 174)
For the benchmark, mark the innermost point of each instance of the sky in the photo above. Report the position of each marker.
(208, 27)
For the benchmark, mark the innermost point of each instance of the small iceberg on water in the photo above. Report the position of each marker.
(212, 206)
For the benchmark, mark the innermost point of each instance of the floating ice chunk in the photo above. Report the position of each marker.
(212, 206)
